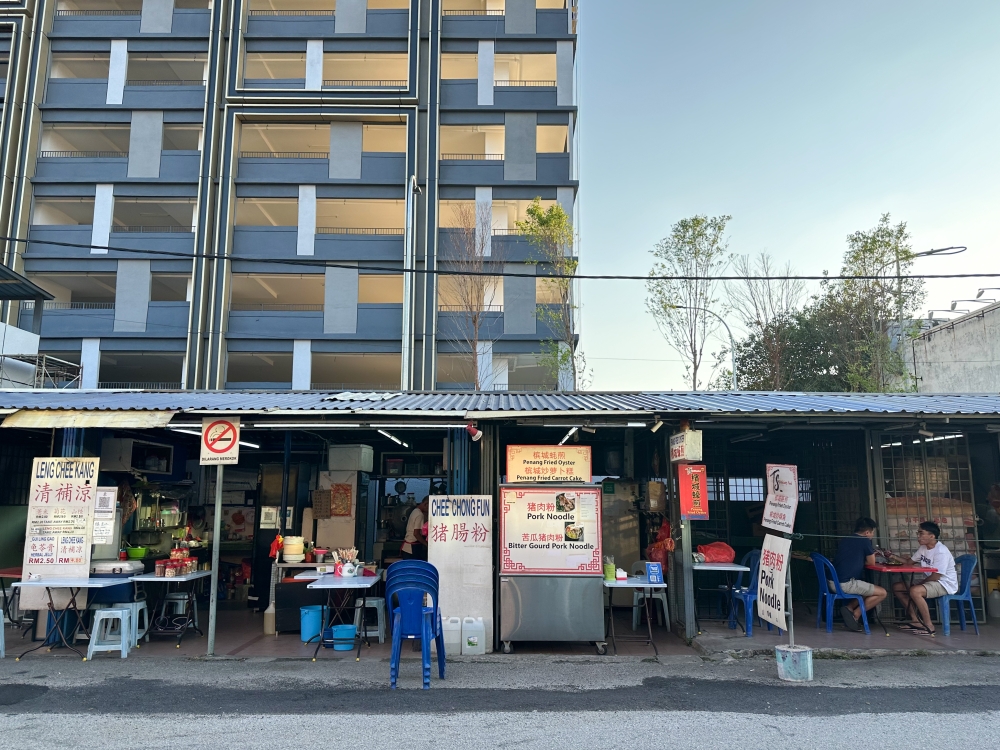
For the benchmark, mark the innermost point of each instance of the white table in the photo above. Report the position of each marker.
(178, 625)
(721, 568)
(344, 583)
(75, 585)
(308, 575)
(632, 582)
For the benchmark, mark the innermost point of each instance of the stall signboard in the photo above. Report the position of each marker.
(685, 446)
(60, 523)
(460, 546)
(692, 481)
(550, 530)
(533, 464)
(220, 441)
(782, 497)
(775, 557)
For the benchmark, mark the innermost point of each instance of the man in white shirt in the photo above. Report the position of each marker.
(930, 554)
(415, 541)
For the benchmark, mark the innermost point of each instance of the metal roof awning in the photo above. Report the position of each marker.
(49, 418)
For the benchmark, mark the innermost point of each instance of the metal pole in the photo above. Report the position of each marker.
(213, 601)
(285, 469)
(690, 627)
(788, 608)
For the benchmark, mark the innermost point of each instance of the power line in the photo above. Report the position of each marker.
(507, 274)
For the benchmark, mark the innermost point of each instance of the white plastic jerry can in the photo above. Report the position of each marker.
(473, 636)
(451, 629)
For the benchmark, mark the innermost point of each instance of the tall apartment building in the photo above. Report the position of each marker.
(225, 193)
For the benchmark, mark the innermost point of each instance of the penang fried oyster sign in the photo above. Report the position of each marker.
(550, 530)
(548, 463)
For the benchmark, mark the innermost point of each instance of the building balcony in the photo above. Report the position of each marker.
(489, 24)
(453, 323)
(188, 23)
(297, 168)
(71, 319)
(321, 24)
(111, 166)
(463, 93)
(80, 234)
(256, 243)
(471, 169)
(255, 321)
(167, 320)
(92, 93)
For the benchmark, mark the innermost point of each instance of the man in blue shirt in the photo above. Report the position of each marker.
(853, 553)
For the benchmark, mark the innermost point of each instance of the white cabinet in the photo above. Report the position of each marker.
(128, 454)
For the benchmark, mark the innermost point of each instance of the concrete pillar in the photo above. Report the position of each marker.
(157, 17)
(564, 73)
(352, 17)
(520, 145)
(565, 373)
(305, 239)
(90, 363)
(519, 17)
(484, 349)
(132, 285)
(301, 365)
(500, 381)
(345, 150)
(340, 301)
(519, 299)
(104, 207)
(314, 65)
(486, 64)
(484, 225)
(117, 71)
(145, 144)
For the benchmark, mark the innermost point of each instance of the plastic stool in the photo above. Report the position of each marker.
(377, 603)
(134, 609)
(639, 568)
(102, 636)
(178, 602)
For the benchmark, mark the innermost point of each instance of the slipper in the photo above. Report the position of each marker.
(924, 631)
(909, 626)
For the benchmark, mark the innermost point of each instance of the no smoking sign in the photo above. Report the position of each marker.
(220, 440)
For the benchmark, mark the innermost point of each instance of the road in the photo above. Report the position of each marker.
(494, 702)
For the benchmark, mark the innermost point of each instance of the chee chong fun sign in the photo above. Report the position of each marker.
(548, 463)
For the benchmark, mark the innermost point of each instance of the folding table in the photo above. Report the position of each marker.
(343, 583)
(633, 582)
(177, 625)
(75, 585)
(726, 568)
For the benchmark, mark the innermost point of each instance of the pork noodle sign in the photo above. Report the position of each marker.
(774, 560)
(460, 546)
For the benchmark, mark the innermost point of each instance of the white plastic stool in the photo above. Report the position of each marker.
(177, 602)
(378, 604)
(638, 595)
(135, 608)
(102, 634)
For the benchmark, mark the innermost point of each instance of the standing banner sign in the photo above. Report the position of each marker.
(782, 497)
(775, 558)
(692, 482)
(460, 546)
(60, 525)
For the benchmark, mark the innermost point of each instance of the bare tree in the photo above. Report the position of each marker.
(550, 231)
(684, 303)
(765, 303)
(473, 295)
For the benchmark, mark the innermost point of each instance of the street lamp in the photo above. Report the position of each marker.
(930, 313)
(954, 302)
(987, 289)
(732, 341)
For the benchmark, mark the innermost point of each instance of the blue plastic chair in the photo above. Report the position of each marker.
(748, 594)
(967, 563)
(405, 589)
(825, 572)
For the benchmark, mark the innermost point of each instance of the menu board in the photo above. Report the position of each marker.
(550, 530)
(548, 463)
(60, 522)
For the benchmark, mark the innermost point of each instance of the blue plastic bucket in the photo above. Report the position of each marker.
(311, 621)
(342, 637)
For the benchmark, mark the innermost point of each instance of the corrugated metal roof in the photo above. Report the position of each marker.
(15, 286)
(483, 405)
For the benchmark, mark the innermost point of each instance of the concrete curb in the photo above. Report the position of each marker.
(841, 653)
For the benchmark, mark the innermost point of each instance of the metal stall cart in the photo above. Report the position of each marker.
(551, 575)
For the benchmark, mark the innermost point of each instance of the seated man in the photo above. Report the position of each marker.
(853, 553)
(930, 554)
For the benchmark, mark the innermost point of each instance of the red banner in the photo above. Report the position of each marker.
(693, 483)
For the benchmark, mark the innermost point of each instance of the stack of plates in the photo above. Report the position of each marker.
(294, 558)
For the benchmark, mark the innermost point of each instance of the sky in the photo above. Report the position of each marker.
(804, 121)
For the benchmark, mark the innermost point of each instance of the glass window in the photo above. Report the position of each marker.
(89, 65)
(267, 212)
(459, 66)
(62, 211)
(380, 289)
(181, 137)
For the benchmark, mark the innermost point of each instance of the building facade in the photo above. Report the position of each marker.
(226, 193)
(960, 355)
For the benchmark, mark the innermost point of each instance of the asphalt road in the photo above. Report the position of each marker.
(545, 702)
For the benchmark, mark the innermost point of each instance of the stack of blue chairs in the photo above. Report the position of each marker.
(406, 584)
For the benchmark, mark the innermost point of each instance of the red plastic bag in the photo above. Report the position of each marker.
(664, 533)
(660, 552)
(717, 552)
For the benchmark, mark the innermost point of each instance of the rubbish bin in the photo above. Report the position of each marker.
(311, 621)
